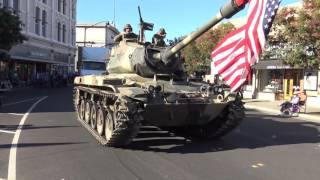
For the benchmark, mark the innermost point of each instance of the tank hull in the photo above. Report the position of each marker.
(130, 101)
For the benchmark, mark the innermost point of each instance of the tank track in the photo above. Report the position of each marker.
(229, 119)
(125, 112)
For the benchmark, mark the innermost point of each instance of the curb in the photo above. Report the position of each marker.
(304, 117)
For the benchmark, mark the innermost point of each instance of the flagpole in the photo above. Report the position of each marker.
(114, 13)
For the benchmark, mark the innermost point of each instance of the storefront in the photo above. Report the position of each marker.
(28, 62)
(276, 81)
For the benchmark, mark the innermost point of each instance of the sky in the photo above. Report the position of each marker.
(178, 17)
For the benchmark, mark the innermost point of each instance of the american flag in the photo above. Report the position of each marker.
(236, 52)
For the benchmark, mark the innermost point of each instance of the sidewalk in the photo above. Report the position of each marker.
(273, 107)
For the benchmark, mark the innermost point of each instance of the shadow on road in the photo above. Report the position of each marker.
(256, 132)
(59, 100)
(24, 145)
(28, 127)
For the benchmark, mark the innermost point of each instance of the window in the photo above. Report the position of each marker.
(44, 23)
(16, 6)
(64, 33)
(5, 3)
(37, 21)
(64, 9)
(44, 1)
(59, 31)
(59, 5)
(73, 9)
(73, 36)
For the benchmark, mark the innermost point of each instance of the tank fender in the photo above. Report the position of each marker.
(132, 92)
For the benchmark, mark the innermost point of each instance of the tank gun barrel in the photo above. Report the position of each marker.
(226, 11)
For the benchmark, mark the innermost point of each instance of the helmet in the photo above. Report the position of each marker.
(127, 26)
(162, 31)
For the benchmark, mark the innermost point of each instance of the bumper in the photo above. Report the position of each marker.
(165, 115)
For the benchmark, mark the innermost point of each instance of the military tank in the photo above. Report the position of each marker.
(146, 85)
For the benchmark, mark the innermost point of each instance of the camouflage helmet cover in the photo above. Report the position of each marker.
(127, 26)
(162, 31)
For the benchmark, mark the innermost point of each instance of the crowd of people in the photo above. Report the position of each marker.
(42, 79)
(51, 80)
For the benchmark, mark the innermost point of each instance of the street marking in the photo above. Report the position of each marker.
(258, 165)
(9, 132)
(13, 149)
(16, 114)
(18, 102)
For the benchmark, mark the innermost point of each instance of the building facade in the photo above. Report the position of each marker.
(96, 35)
(49, 26)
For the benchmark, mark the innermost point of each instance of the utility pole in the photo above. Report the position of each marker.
(85, 38)
(107, 29)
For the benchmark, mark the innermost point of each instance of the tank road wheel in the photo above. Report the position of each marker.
(87, 113)
(123, 124)
(100, 119)
(94, 110)
(109, 125)
(94, 118)
(82, 109)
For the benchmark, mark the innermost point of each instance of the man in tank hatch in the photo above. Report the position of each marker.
(126, 34)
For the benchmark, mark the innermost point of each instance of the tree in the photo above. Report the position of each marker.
(297, 33)
(197, 54)
(10, 29)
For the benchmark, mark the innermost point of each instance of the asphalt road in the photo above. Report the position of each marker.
(53, 145)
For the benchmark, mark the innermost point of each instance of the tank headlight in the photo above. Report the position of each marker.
(158, 88)
(203, 88)
(151, 89)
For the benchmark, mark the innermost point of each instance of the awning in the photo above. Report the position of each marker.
(272, 64)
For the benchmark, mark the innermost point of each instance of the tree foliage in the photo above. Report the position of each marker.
(10, 29)
(197, 54)
(297, 33)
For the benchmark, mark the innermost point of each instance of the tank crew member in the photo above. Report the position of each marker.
(126, 34)
(158, 38)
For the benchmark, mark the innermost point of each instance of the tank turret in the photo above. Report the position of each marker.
(144, 59)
